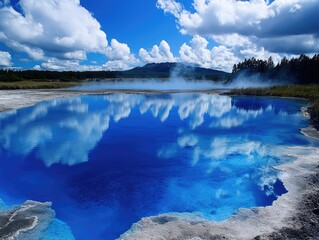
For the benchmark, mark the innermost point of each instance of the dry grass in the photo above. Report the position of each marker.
(310, 92)
(35, 85)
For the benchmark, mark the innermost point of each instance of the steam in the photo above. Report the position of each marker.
(244, 80)
(179, 81)
(173, 84)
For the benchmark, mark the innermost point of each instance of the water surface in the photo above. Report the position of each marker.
(107, 161)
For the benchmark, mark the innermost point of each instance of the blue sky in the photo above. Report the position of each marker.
(121, 34)
(138, 23)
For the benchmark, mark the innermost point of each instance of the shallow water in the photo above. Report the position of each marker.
(107, 161)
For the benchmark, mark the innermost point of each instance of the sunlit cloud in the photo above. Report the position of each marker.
(5, 59)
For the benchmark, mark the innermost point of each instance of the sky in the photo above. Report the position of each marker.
(122, 34)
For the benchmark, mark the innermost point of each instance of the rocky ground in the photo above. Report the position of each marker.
(27, 221)
(14, 99)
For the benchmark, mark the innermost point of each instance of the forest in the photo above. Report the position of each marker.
(302, 70)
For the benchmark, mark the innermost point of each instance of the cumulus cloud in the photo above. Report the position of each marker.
(119, 54)
(118, 51)
(254, 17)
(5, 59)
(158, 54)
(61, 28)
(219, 57)
(59, 33)
(172, 7)
(120, 57)
(223, 58)
(197, 52)
(270, 27)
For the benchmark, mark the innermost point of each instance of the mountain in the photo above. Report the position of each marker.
(166, 70)
(151, 70)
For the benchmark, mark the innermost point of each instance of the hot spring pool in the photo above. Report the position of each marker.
(106, 161)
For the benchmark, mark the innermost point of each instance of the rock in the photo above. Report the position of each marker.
(26, 221)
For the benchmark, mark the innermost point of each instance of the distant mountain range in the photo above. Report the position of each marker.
(151, 70)
(166, 70)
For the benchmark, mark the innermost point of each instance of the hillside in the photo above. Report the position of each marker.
(165, 70)
(151, 70)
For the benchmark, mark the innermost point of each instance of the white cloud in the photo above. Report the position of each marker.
(81, 55)
(223, 58)
(170, 6)
(56, 64)
(75, 65)
(120, 57)
(219, 57)
(124, 64)
(60, 33)
(158, 54)
(5, 59)
(197, 52)
(254, 17)
(259, 53)
(231, 25)
(60, 28)
(276, 27)
(118, 51)
(231, 40)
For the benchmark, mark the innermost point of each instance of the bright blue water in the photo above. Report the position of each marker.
(107, 161)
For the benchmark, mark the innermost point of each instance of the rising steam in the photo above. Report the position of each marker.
(177, 82)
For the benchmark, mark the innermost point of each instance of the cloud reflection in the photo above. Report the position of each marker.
(65, 131)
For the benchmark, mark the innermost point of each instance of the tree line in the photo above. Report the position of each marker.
(65, 76)
(301, 70)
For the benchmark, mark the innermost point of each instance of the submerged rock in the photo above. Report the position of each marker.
(310, 132)
(27, 221)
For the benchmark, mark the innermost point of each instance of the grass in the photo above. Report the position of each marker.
(35, 85)
(310, 92)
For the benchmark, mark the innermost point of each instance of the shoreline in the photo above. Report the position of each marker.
(16, 99)
(293, 215)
